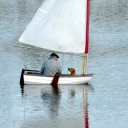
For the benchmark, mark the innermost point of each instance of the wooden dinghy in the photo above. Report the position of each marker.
(33, 77)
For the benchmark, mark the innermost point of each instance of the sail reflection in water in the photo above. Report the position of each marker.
(55, 106)
(86, 109)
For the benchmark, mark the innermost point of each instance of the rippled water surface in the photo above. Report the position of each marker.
(100, 104)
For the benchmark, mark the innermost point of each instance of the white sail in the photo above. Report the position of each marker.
(39, 15)
(62, 29)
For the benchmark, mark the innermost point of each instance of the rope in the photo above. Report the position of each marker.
(25, 57)
(62, 60)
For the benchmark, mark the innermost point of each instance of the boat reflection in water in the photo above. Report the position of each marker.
(56, 106)
(52, 100)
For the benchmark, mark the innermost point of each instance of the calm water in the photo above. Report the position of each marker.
(101, 104)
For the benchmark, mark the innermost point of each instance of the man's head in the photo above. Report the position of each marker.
(55, 56)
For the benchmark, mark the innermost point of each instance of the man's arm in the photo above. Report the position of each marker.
(42, 69)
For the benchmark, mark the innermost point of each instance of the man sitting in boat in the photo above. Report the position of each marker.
(51, 66)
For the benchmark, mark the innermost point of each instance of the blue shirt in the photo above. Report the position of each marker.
(50, 67)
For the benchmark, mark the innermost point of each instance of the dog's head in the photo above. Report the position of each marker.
(72, 70)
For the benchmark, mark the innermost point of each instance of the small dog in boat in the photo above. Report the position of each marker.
(73, 72)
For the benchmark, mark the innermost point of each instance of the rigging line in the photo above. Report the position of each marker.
(25, 57)
(62, 60)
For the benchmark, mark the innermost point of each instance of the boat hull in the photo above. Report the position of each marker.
(63, 79)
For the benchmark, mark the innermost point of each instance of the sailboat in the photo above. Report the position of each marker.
(61, 26)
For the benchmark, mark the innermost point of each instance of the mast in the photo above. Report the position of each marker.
(87, 19)
(87, 27)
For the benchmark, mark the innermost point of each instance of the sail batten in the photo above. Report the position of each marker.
(60, 27)
(43, 10)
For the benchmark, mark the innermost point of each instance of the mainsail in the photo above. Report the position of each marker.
(36, 20)
(58, 25)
